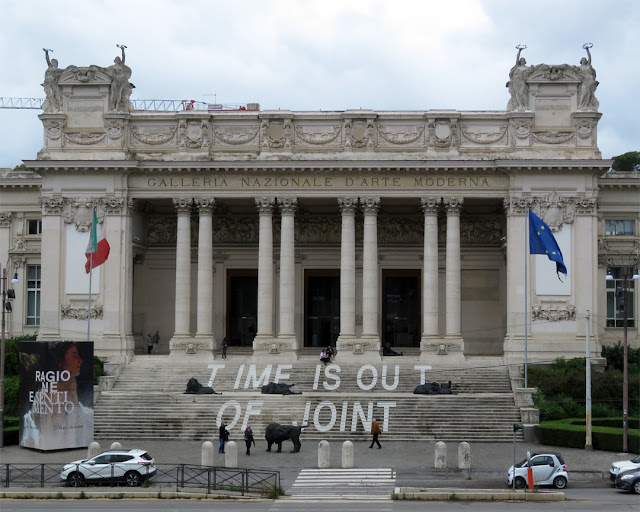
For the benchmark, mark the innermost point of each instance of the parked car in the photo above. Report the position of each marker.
(129, 466)
(629, 480)
(547, 468)
(623, 465)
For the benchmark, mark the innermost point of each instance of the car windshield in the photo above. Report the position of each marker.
(636, 460)
(521, 463)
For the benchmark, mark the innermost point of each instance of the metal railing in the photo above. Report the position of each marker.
(182, 476)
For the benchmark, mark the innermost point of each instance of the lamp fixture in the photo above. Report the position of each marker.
(15, 278)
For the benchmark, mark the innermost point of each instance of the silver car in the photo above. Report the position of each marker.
(129, 466)
(547, 469)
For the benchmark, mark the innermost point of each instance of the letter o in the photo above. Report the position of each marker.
(316, 417)
(374, 377)
(429, 182)
(64, 377)
(231, 403)
(284, 182)
(69, 407)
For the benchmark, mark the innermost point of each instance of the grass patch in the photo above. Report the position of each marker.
(275, 492)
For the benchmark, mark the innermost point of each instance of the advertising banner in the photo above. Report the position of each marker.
(56, 394)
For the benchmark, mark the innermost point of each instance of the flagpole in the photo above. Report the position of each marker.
(93, 210)
(526, 291)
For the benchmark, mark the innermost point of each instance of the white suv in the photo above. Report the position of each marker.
(547, 468)
(623, 465)
(128, 466)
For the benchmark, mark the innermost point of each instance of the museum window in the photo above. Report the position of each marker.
(33, 294)
(618, 227)
(34, 226)
(615, 300)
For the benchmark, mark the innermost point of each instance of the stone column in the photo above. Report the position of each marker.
(183, 270)
(204, 319)
(128, 250)
(370, 206)
(430, 329)
(287, 269)
(265, 269)
(51, 284)
(348, 268)
(453, 302)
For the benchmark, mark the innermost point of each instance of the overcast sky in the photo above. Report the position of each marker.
(322, 54)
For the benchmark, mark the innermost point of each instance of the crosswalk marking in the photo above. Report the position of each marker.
(343, 484)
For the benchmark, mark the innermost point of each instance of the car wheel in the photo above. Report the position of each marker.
(521, 483)
(559, 482)
(636, 487)
(132, 479)
(75, 480)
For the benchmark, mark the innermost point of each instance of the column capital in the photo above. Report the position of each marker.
(5, 219)
(204, 204)
(430, 205)
(370, 205)
(288, 205)
(132, 206)
(453, 205)
(348, 204)
(182, 206)
(265, 205)
(516, 205)
(51, 205)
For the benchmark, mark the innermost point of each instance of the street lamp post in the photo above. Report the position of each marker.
(629, 274)
(6, 306)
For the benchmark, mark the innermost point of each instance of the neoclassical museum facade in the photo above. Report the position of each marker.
(287, 231)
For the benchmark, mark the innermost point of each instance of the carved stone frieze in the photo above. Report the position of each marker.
(53, 128)
(153, 135)
(84, 139)
(359, 133)
(115, 128)
(553, 315)
(276, 134)
(358, 346)
(74, 313)
(272, 346)
(584, 128)
(317, 229)
(443, 135)
(441, 349)
(51, 205)
(316, 135)
(79, 211)
(476, 230)
(190, 346)
(520, 130)
(193, 134)
(554, 72)
(5, 219)
(402, 135)
(483, 137)
(235, 136)
(553, 137)
(161, 230)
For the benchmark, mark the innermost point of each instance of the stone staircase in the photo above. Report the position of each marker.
(147, 402)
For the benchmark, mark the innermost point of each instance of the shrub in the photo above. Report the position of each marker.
(98, 369)
(11, 388)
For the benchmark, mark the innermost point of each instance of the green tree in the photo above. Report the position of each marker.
(627, 162)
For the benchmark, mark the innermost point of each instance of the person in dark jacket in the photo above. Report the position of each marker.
(223, 436)
(248, 439)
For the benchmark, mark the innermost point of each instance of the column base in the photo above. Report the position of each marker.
(270, 349)
(358, 350)
(191, 349)
(442, 351)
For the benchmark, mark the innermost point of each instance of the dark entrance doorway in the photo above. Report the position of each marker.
(401, 308)
(322, 307)
(242, 306)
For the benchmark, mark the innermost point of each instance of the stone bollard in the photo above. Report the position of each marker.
(116, 446)
(324, 454)
(348, 458)
(93, 450)
(231, 455)
(464, 455)
(206, 455)
(441, 455)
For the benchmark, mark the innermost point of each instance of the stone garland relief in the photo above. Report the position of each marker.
(404, 135)
(235, 135)
(316, 135)
(68, 312)
(84, 139)
(553, 315)
(152, 135)
(482, 136)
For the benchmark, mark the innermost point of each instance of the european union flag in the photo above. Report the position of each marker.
(542, 241)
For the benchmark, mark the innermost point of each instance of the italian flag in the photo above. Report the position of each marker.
(98, 249)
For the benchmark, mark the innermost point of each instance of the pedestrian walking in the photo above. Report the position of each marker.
(223, 436)
(156, 342)
(248, 439)
(149, 341)
(375, 432)
(225, 346)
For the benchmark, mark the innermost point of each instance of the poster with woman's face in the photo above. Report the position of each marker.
(56, 394)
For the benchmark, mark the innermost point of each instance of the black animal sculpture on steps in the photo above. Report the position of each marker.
(433, 388)
(195, 388)
(276, 433)
(278, 389)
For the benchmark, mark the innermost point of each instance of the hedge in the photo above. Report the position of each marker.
(570, 433)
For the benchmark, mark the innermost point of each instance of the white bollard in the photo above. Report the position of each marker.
(348, 457)
(324, 454)
(231, 455)
(206, 455)
(464, 455)
(441, 455)
(93, 450)
(116, 446)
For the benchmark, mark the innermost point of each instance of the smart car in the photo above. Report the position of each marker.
(547, 468)
(129, 466)
(629, 480)
(623, 465)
